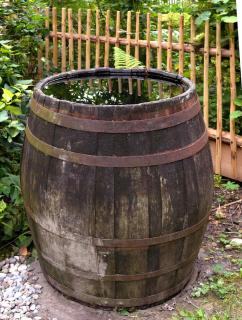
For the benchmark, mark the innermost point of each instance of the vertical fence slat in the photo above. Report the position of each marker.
(107, 34)
(55, 40)
(79, 41)
(148, 41)
(181, 45)
(128, 36)
(71, 41)
(233, 143)
(40, 64)
(117, 30)
(88, 41)
(192, 53)
(206, 74)
(219, 99)
(136, 53)
(63, 39)
(97, 57)
(47, 39)
(159, 38)
(169, 47)
(148, 50)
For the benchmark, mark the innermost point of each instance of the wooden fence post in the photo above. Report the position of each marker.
(79, 41)
(233, 144)
(63, 40)
(206, 74)
(219, 100)
(55, 39)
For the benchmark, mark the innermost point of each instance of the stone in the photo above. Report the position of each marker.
(236, 242)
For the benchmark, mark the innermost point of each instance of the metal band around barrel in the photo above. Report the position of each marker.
(122, 243)
(110, 302)
(118, 161)
(115, 277)
(93, 125)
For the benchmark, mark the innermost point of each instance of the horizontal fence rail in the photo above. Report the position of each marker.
(86, 40)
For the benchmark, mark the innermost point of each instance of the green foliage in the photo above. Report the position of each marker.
(231, 186)
(20, 26)
(217, 285)
(22, 22)
(124, 60)
(200, 315)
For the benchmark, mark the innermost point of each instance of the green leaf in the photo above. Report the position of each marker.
(203, 17)
(14, 110)
(24, 82)
(3, 206)
(7, 95)
(231, 19)
(3, 116)
(236, 114)
(238, 102)
(124, 60)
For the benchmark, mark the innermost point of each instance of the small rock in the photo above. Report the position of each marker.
(236, 242)
(32, 307)
(2, 276)
(22, 267)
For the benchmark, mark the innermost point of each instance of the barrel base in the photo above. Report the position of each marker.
(112, 303)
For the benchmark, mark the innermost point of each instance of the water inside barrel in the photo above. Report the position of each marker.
(112, 91)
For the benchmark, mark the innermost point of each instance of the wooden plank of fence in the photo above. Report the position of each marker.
(169, 47)
(181, 44)
(71, 41)
(206, 75)
(159, 39)
(107, 44)
(47, 39)
(128, 35)
(148, 41)
(148, 51)
(88, 41)
(39, 57)
(63, 40)
(55, 39)
(219, 100)
(97, 56)
(117, 30)
(233, 144)
(143, 44)
(192, 54)
(136, 53)
(79, 41)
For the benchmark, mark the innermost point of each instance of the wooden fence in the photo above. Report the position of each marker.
(84, 40)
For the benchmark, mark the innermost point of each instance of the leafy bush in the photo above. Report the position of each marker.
(20, 28)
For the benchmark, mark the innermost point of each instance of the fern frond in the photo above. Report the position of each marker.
(122, 60)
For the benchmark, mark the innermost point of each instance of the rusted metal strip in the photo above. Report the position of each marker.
(91, 125)
(115, 277)
(123, 243)
(163, 239)
(109, 302)
(118, 161)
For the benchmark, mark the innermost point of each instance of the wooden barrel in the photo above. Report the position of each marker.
(117, 196)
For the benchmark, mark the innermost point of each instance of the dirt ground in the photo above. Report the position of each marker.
(213, 292)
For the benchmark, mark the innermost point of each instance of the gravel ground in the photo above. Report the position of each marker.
(19, 290)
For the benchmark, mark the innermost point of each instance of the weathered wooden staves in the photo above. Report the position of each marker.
(117, 196)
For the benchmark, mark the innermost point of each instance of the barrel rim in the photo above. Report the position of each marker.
(98, 72)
